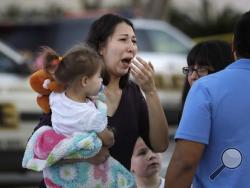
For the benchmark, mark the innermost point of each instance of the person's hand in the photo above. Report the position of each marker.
(99, 158)
(143, 74)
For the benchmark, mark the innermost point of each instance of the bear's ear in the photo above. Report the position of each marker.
(37, 80)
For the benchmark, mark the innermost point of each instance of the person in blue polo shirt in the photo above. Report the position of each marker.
(212, 140)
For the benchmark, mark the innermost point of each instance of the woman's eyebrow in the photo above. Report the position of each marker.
(126, 35)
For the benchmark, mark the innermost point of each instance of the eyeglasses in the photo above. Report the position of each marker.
(201, 71)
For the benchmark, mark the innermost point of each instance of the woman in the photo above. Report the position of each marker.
(113, 37)
(205, 58)
(129, 113)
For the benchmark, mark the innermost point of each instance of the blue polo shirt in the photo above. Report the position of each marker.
(217, 114)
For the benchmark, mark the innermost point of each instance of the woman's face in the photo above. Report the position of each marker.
(119, 50)
(195, 72)
(144, 162)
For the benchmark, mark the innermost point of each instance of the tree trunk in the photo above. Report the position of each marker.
(156, 9)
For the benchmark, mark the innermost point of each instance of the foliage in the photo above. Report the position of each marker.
(225, 37)
(205, 24)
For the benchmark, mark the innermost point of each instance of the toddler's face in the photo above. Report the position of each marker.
(94, 83)
(144, 162)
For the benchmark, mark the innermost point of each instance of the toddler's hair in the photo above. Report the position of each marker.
(79, 60)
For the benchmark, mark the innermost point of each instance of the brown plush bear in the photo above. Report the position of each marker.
(44, 83)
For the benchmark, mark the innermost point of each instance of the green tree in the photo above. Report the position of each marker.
(205, 24)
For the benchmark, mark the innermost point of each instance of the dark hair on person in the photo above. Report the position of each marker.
(215, 53)
(80, 60)
(242, 36)
(100, 30)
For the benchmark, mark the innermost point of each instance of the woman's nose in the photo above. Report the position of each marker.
(194, 75)
(132, 47)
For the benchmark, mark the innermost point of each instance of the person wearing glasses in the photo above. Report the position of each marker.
(205, 58)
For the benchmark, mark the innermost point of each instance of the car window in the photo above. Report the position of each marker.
(59, 35)
(23, 37)
(7, 65)
(65, 34)
(159, 41)
(143, 42)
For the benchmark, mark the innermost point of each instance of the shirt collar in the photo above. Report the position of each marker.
(240, 64)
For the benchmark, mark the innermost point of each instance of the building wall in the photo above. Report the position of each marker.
(72, 5)
(189, 6)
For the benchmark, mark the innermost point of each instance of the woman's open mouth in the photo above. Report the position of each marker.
(126, 60)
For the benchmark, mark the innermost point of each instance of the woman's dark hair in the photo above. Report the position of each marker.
(80, 60)
(242, 37)
(215, 53)
(99, 32)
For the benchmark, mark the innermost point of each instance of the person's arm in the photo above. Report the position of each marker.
(99, 158)
(183, 164)
(143, 74)
(107, 137)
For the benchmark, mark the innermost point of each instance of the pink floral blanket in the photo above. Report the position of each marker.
(46, 148)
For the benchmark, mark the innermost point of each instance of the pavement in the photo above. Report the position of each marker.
(166, 156)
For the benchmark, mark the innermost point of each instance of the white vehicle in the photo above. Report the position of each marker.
(15, 95)
(158, 42)
(166, 48)
(14, 85)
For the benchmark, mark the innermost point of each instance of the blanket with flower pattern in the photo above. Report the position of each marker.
(46, 148)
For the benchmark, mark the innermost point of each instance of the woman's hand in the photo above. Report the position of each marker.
(143, 74)
(99, 158)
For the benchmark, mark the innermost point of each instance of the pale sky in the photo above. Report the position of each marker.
(185, 5)
(190, 5)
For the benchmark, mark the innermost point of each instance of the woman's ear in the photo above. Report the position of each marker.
(101, 49)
